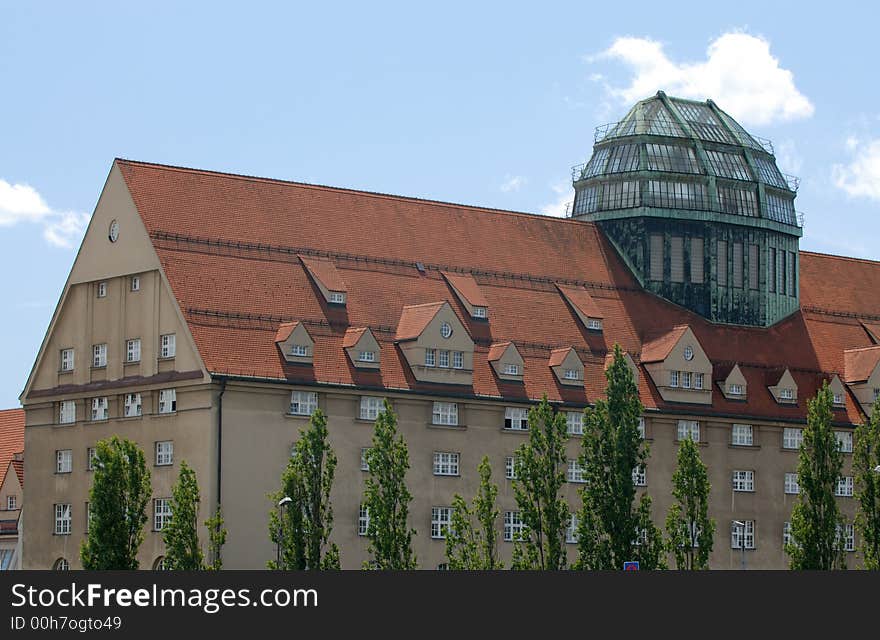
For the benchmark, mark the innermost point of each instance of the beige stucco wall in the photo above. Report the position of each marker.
(414, 350)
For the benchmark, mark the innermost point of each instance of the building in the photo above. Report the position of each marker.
(208, 314)
(11, 487)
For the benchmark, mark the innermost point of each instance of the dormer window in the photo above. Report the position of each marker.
(481, 313)
(735, 390)
(423, 335)
(572, 374)
(337, 297)
(511, 369)
(786, 394)
(685, 379)
(367, 356)
(838, 399)
(594, 324)
(444, 359)
(299, 350)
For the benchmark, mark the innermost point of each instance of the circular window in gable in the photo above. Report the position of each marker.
(689, 353)
(445, 329)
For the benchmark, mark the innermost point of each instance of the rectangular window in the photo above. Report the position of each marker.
(575, 472)
(63, 461)
(738, 532)
(458, 360)
(641, 428)
(303, 403)
(722, 263)
(511, 369)
(164, 453)
(444, 359)
(685, 379)
(337, 297)
(445, 463)
(99, 355)
(11, 503)
(363, 520)
(844, 487)
(744, 481)
(62, 519)
(99, 408)
(844, 441)
(516, 419)
(572, 374)
(67, 359)
(571, 530)
(791, 484)
(574, 422)
(753, 267)
(780, 271)
(91, 456)
(697, 260)
(786, 534)
(676, 259)
(738, 265)
(594, 325)
(791, 273)
(838, 400)
(371, 407)
(513, 526)
(849, 537)
(133, 350)
(299, 350)
(787, 394)
(689, 429)
(698, 381)
(132, 407)
(735, 390)
(441, 517)
(480, 312)
(771, 277)
(741, 435)
(67, 412)
(792, 438)
(430, 357)
(364, 464)
(88, 516)
(367, 356)
(102, 289)
(640, 476)
(161, 513)
(167, 400)
(135, 283)
(656, 249)
(445, 413)
(673, 379)
(510, 468)
(167, 345)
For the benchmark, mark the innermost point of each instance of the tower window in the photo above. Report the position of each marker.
(737, 265)
(753, 267)
(772, 275)
(697, 260)
(676, 259)
(656, 256)
(722, 263)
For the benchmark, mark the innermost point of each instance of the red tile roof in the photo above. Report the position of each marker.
(657, 349)
(497, 350)
(860, 363)
(352, 336)
(465, 284)
(18, 465)
(558, 356)
(580, 298)
(284, 331)
(325, 272)
(229, 247)
(11, 438)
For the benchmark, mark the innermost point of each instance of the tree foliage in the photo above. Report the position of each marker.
(387, 498)
(866, 461)
(216, 540)
(540, 476)
(303, 525)
(816, 522)
(180, 534)
(612, 528)
(118, 503)
(689, 529)
(472, 537)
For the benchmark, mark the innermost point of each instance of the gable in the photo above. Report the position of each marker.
(359, 342)
(503, 354)
(295, 343)
(327, 278)
(584, 306)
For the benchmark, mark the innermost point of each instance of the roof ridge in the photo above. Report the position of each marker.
(373, 194)
(834, 256)
(424, 304)
(871, 348)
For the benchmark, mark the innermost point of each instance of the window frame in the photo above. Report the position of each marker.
(447, 463)
(67, 364)
(164, 453)
(748, 534)
(167, 346)
(63, 461)
(367, 405)
(309, 399)
(513, 526)
(444, 414)
(99, 355)
(743, 480)
(790, 485)
(689, 428)
(441, 520)
(742, 435)
(792, 434)
(67, 412)
(161, 517)
(165, 401)
(516, 419)
(132, 405)
(63, 518)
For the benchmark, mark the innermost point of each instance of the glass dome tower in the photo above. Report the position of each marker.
(697, 208)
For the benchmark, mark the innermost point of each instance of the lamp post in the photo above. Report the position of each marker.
(741, 526)
(286, 500)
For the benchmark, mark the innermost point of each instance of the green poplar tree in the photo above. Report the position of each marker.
(866, 467)
(473, 546)
(816, 522)
(216, 540)
(689, 528)
(118, 506)
(612, 529)
(540, 476)
(182, 549)
(387, 498)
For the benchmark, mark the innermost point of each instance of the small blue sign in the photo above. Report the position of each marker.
(631, 566)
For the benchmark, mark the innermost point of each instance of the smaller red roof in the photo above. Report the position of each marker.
(467, 288)
(284, 331)
(11, 438)
(414, 318)
(18, 465)
(558, 356)
(325, 272)
(352, 336)
(658, 348)
(859, 364)
(721, 371)
(582, 300)
(873, 330)
(773, 376)
(496, 351)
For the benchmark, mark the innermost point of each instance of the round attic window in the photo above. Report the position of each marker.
(445, 329)
(113, 233)
(689, 353)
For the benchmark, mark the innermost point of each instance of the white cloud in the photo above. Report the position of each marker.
(559, 207)
(22, 203)
(512, 184)
(861, 177)
(739, 74)
(788, 158)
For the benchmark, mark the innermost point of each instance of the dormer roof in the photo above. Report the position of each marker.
(658, 348)
(581, 300)
(353, 336)
(772, 377)
(285, 329)
(558, 356)
(497, 350)
(11, 440)
(873, 330)
(414, 318)
(466, 288)
(859, 364)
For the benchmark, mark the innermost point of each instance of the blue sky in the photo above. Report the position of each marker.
(480, 103)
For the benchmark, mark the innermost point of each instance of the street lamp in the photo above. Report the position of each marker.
(877, 469)
(286, 500)
(741, 526)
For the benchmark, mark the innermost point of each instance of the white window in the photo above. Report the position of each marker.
(689, 429)
(444, 359)
(430, 357)
(458, 360)
(446, 463)
(363, 520)
(792, 438)
(445, 329)
(99, 408)
(133, 350)
(571, 530)
(167, 400)
(786, 393)
(445, 413)
(791, 484)
(299, 350)
(132, 405)
(367, 356)
(735, 390)
(303, 403)
(673, 379)
(164, 453)
(67, 412)
(838, 399)
(510, 468)
(61, 564)
(62, 519)
(786, 534)
(364, 465)
(67, 359)
(161, 513)
(743, 480)
(63, 461)
(640, 476)
(685, 379)
(11, 503)
(102, 289)
(337, 297)
(575, 472)
(135, 283)
(737, 532)
(480, 312)
(688, 353)
(844, 441)
(167, 345)
(574, 422)
(513, 526)
(91, 456)
(641, 428)
(698, 381)
(844, 487)
(516, 418)
(99, 355)
(511, 369)
(849, 537)
(371, 407)
(741, 435)
(441, 517)
(594, 325)
(572, 374)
